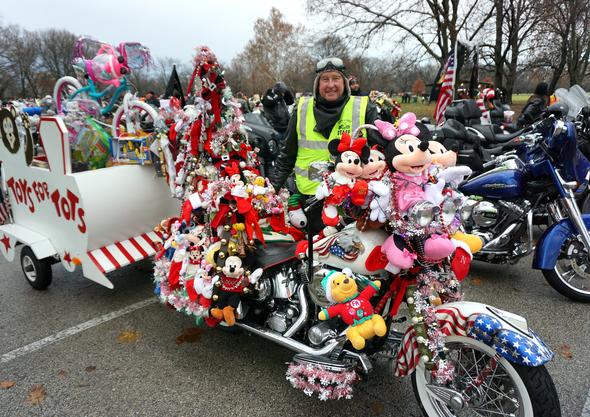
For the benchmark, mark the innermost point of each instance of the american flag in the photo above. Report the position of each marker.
(4, 208)
(445, 96)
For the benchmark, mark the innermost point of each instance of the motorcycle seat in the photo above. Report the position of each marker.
(492, 137)
(274, 253)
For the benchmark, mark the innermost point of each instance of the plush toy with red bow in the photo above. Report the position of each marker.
(344, 182)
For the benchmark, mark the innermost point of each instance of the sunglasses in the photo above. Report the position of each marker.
(330, 63)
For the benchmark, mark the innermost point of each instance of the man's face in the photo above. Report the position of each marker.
(148, 96)
(354, 85)
(331, 85)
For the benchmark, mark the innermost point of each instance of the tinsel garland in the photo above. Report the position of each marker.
(316, 379)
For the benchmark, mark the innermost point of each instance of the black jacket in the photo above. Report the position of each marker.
(532, 111)
(285, 162)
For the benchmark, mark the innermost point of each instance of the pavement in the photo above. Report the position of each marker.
(79, 349)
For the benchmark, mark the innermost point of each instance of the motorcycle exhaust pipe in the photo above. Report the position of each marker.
(304, 313)
(289, 343)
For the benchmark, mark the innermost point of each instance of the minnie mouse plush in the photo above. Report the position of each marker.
(409, 159)
(379, 188)
(344, 182)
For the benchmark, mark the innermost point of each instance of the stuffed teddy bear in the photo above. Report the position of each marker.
(344, 182)
(233, 280)
(354, 308)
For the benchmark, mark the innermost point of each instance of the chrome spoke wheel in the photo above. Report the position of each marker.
(485, 384)
(573, 267)
(29, 269)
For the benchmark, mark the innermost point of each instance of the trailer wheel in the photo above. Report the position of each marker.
(37, 271)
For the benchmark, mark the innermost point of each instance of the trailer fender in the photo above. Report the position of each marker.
(11, 234)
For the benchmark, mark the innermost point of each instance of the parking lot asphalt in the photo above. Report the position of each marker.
(79, 349)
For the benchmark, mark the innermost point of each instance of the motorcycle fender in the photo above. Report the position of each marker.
(506, 332)
(550, 243)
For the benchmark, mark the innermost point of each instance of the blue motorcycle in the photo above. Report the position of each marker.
(539, 180)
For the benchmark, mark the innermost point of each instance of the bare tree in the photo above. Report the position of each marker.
(435, 25)
(277, 52)
(55, 51)
(19, 51)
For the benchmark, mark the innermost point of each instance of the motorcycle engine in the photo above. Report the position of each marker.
(485, 214)
(277, 289)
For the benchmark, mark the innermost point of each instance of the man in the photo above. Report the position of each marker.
(244, 106)
(355, 86)
(535, 106)
(152, 100)
(275, 104)
(314, 122)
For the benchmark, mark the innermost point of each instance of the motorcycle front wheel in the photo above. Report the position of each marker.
(571, 274)
(485, 384)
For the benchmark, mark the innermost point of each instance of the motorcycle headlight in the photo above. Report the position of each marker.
(422, 213)
(449, 209)
(467, 209)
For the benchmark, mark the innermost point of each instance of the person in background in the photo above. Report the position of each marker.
(241, 99)
(275, 104)
(317, 120)
(355, 86)
(535, 106)
(152, 100)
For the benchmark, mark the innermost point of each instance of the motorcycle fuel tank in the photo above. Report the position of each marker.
(350, 248)
(499, 183)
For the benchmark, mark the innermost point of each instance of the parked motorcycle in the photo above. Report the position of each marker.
(264, 137)
(498, 360)
(539, 177)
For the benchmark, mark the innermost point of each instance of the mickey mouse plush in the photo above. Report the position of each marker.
(228, 289)
(343, 183)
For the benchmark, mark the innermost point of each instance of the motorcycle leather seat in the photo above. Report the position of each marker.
(492, 137)
(274, 253)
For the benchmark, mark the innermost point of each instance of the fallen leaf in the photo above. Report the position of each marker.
(565, 352)
(7, 384)
(62, 374)
(377, 408)
(36, 394)
(476, 281)
(90, 368)
(128, 336)
(190, 335)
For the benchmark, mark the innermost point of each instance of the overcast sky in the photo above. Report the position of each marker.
(168, 27)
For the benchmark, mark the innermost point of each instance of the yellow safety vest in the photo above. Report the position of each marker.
(312, 146)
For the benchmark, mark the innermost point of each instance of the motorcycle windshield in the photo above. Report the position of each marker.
(570, 161)
(575, 98)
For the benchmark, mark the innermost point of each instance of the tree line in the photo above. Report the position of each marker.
(388, 46)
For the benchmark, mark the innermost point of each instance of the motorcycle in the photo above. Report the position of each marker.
(539, 177)
(488, 348)
(264, 137)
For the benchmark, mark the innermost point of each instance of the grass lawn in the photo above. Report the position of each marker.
(427, 109)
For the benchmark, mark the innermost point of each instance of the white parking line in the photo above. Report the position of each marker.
(39, 344)
(586, 409)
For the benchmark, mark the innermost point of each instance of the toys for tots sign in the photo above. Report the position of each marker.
(65, 204)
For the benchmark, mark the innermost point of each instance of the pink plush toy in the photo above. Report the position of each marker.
(406, 125)
(409, 159)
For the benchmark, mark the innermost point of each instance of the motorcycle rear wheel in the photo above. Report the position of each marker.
(511, 390)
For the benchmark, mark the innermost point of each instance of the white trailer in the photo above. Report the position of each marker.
(100, 220)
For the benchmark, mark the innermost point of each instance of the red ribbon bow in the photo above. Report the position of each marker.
(347, 144)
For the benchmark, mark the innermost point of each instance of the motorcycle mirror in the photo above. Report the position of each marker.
(317, 170)
(560, 127)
